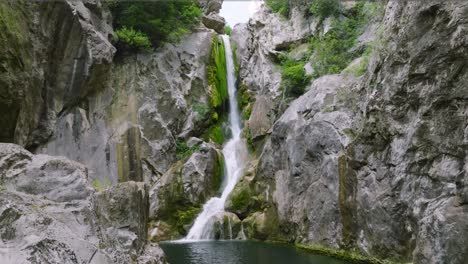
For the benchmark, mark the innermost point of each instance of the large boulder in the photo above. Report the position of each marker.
(226, 226)
(215, 22)
(122, 213)
(182, 190)
(301, 157)
(50, 214)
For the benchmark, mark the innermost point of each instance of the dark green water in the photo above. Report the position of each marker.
(239, 252)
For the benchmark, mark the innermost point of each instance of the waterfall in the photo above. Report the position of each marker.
(235, 157)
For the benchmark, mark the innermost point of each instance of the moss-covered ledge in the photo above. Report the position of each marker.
(349, 256)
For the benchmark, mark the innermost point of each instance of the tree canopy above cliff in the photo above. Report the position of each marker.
(159, 21)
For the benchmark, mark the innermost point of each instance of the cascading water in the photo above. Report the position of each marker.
(235, 156)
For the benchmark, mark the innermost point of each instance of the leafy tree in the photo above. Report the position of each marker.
(133, 40)
(160, 21)
(325, 8)
(279, 6)
(293, 77)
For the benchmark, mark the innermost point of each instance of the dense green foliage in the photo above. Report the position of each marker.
(349, 256)
(185, 217)
(216, 134)
(217, 71)
(332, 52)
(241, 200)
(219, 172)
(159, 21)
(294, 78)
(183, 151)
(227, 30)
(132, 40)
(325, 8)
(279, 6)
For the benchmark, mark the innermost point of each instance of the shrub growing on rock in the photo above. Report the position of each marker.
(132, 40)
(279, 6)
(325, 8)
(160, 21)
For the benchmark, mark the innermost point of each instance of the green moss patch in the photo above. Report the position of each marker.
(183, 151)
(100, 186)
(217, 71)
(219, 172)
(349, 256)
(333, 51)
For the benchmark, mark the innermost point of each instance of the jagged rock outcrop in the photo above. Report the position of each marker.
(55, 54)
(378, 164)
(258, 45)
(120, 117)
(215, 22)
(128, 131)
(49, 213)
(185, 186)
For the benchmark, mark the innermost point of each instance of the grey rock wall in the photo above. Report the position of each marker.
(379, 164)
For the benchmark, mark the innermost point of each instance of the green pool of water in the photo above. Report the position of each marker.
(239, 252)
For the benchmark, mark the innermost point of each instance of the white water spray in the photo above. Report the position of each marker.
(235, 157)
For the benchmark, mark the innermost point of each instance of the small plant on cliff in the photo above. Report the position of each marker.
(333, 52)
(132, 40)
(227, 30)
(279, 6)
(183, 151)
(294, 78)
(324, 8)
(100, 186)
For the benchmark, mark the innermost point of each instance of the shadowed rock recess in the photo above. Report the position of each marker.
(356, 117)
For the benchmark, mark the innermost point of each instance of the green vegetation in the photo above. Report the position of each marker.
(241, 200)
(216, 134)
(100, 186)
(219, 172)
(325, 8)
(183, 151)
(234, 58)
(217, 80)
(227, 30)
(132, 40)
(217, 74)
(279, 6)
(294, 78)
(158, 21)
(332, 52)
(349, 256)
(185, 217)
(202, 111)
(361, 67)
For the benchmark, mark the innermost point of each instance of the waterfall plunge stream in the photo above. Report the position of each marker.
(235, 157)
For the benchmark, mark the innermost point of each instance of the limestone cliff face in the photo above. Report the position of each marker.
(55, 54)
(50, 214)
(119, 117)
(128, 130)
(379, 163)
(116, 119)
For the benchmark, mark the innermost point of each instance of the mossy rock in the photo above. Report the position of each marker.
(162, 231)
(263, 226)
(349, 256)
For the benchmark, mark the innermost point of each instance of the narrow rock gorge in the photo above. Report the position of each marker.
(112, 128)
